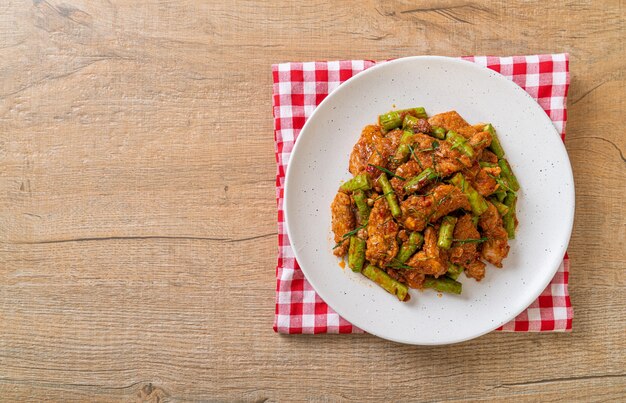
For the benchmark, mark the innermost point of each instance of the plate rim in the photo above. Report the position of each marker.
(557, 258)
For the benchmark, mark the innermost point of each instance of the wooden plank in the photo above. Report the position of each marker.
(137, 203)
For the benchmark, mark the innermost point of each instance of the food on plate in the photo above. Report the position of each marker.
(430, 198)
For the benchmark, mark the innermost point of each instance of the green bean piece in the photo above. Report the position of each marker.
(403, 151)
(485, 164)
(408, 248)
(356, 253)
(508, 175)
(417, 182)
(460, 142)
(410, 122)
(454, 271)
(390, 195)
(500, 195)
(402, 154)
(392, 286)
(495, 146)
(390, 120)
(509, 218)
(476, 201)
(418, 112)
(407, 136)
(359, 182)
(443, 284)
(501, 207)
(360, 199)
(438, 132)
(446, 232)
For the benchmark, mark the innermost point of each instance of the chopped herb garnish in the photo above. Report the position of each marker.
(415, 157)
(480, 143)
(470, 240)
(383, 195)
(396, 264)
(385, 170)
(354, 231)
(349, 234)
(502, 183)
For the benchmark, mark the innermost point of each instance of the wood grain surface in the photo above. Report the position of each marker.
(138, 214)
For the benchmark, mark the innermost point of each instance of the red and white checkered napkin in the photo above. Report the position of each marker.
(300, 87)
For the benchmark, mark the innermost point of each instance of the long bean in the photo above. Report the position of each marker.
(454, 271)
(443, 284)
(392, 286)
(438, 132)
(508, 174)
(393, 119)
(509, 218)
(390, 120)
(446, 232)
(408, 248)
(460, 142)
(410, 122)
(416, 183)
(476, 201)
(403, 151)
(361, 181)
(356, 253)
(390, 195)
(501, 207)
(418, 112)
(500, 194)
(360, 199)
(495, 146)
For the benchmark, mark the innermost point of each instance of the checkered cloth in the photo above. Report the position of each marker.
(300, 87)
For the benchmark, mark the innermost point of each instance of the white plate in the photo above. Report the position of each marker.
(319, 162)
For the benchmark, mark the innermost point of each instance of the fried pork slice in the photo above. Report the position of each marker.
(484, 182)
(429, 152)
(431, 260)
(488, 156)
(414, 279)
(394, 137)
(343, 221)
(407, 171)
(417, 211)
(448, 120)
(482, 178)
(363, 149)
(449, 160)
(475, 270)
(383, 149)
(467, 131)
(464, 253)
(479, 141)
(496, 248)
(423, 148)
(381, 230)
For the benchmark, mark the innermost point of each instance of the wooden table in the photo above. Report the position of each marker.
(138, 213)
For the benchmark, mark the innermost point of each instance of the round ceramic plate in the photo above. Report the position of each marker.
(319, 163)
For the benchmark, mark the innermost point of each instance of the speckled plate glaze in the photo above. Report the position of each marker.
(319, 162)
